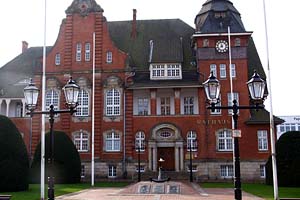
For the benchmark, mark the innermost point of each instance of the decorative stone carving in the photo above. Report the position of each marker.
(84, 7)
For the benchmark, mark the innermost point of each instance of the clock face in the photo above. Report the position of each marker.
(222, 46)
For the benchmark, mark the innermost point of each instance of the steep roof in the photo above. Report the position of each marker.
(216, 15)
(171, 40)
(17, 70)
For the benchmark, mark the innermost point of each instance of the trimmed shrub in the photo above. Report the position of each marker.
(288, 160)
(66, 162)
(14, 161)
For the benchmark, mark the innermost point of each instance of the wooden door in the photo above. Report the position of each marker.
(166, 153)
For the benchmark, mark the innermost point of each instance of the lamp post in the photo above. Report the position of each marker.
(31, 93)
(138, 148)
(256, 87)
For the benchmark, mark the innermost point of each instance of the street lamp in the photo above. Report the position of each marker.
(31, 93)
(256, 87)
(138, 147)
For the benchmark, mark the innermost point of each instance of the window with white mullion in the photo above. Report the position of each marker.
(165, 71)
(57, 59)
(165, 105)
(230, 100)
(113, 101)
(173, 70)
(225, 140)
(112, 171)
(140, 141)
(83, 104)
(217, 111)
(78, 52)
(87, 51)
(81, 141)
(222, 71)
(52, 99)
(109, 57)
(143, 106)
(188, 105)
(262, 140)
(233, 71)
(191, 141)
(213, 69)
(226, 171)
(113, 142)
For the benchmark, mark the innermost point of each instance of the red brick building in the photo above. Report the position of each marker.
(148, 91)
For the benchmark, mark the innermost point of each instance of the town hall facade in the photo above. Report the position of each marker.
(149, 96)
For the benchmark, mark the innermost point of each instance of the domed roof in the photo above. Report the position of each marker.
(83, 7)
(216, 15)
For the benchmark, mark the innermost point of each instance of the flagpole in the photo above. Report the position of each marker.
(93, 116)
(43, 108)
(272, 133)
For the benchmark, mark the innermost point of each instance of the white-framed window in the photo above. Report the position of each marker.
(57, 59)
(233, 71)
(230, 100)
(140, 141)
(188, 106)
(213, 69)
(83, 104)
(217, 111)
(262, 137)
(194, 168)
(82, 174)
(165, 105)
(113, 142)
(52, 98)
(87, 51)
(112, 171)
(113, 102)
(224, 140)
(143, 106)
(165, 71)
(81, 141)
(226, 171)
(142, 168)
(78, 52)
(109, 57)
(262, 171)
(191, 139)
(222, 71)
(19, 109)
(173, 70)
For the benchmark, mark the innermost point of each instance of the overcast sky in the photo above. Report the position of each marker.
(24, 20)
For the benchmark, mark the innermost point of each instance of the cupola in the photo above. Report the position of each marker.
(216, 15)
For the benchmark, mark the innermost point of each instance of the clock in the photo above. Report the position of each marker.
(222, 46)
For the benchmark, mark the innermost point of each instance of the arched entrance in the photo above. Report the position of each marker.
(166, 142)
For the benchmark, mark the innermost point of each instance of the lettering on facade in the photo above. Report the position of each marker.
(214, 122)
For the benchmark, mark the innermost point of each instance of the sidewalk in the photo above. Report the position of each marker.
(188, 192)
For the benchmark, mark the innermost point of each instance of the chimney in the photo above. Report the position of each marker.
(24, 46)
(133, 31)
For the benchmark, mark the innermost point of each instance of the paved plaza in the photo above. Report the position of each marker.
(156, 191)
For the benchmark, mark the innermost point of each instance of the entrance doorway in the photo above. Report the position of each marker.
(166, 153)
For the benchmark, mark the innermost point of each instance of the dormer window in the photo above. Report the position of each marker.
(165, 71)
(220, 15)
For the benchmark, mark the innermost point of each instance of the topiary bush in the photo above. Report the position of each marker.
(14, 161)
(67, 164)
(288, 160)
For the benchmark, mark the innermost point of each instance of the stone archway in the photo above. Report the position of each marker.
(166, 142)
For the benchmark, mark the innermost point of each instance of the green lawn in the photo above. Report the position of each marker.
(34, 190)
(261, 190)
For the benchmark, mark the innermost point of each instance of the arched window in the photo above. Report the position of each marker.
(52, 99)
(113, 141)
(224, 140)
(191, 141)
(113, 102)
(140, 141)
(81, 141)
(83, 103)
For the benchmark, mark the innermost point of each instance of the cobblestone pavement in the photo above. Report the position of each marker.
(187, 192)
